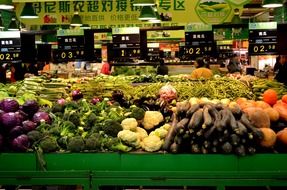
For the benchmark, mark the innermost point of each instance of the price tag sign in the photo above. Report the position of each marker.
(262, 38)
(126, 43)
(198, 44)
(70, 45)
(10, 46)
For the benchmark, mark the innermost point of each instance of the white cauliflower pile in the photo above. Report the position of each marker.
(155, 140)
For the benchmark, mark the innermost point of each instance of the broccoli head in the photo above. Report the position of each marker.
(49, 144)
(114, 144)
(111, 127)
(59, 114)
(55, 130)
(44, 128)
(90, 120)
(71, 105)
(72, 116)
(34, 136)
(67, 128)
(58, 108)
(93, 141)
(76, 144)
(137, 113)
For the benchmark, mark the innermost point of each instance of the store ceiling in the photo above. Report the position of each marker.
(254, 9)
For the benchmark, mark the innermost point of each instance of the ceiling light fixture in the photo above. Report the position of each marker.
(13, 24)
(6, 4)
(272, 3)
(158, 18)
(1, 23)
(147, 13)
(143, 3)
(236, 18)
(28, 11)
(76, 20)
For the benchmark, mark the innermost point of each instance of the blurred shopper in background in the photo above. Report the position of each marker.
(106, 68)
(162, 69)
(234, 64)
(281, 75)
(201, 71)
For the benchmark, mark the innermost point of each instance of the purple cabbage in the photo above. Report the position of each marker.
(96, 100)
(28, 125)
(20, 143)
(1, 141)
(77, 94)
(61, 101)
(10, 120)
(9, 105)
(41, 117)
(16, 131)
(30, 107)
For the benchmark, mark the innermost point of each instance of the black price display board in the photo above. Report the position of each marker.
(262, 38)
(126, 44)
(10, 47)
(224, 49)
(198, 44)
(70, 45)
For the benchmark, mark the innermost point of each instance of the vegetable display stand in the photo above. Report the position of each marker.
(96, 170)
(23, 169)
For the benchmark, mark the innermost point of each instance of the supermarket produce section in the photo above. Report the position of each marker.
(141, 131)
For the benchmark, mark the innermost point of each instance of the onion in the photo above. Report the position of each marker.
(20, 143)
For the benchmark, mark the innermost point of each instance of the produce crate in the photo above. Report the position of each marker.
(95, 170)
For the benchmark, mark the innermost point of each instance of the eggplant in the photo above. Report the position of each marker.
(226, 148)
(196, 119)
(193, 108)
(171, 134)
(206, 118)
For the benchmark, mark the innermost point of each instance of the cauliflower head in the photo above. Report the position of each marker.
(141, 133)
(152, 119)
(151, 143)
(160, 132)
(129, 124)
(130, 138)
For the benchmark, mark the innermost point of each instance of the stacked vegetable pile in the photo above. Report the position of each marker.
(18, 121)
(206, 127)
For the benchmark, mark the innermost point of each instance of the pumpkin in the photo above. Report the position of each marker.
(284, 98)
(281, 108)
(239, 101)
(272, 113)
(269, 137)
(258, 117)
(282, 136)
(270, 97)
(262, 104)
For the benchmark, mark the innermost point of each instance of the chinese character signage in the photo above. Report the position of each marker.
(10, 46)
(126, 43)
(70, 45)
(122, 13)
(262, 38)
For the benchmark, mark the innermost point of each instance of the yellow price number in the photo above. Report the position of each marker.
(191, 51)
(123, 52)
(260, 48)
(68, 55)
(8, 56)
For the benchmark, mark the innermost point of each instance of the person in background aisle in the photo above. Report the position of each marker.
(32, 69)
(201, 71)
(277, 65)
(19, 71)
(46, 67)
(3, 74)
(281, 76)
(234, 64)
(162, 69)
(106, 68)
